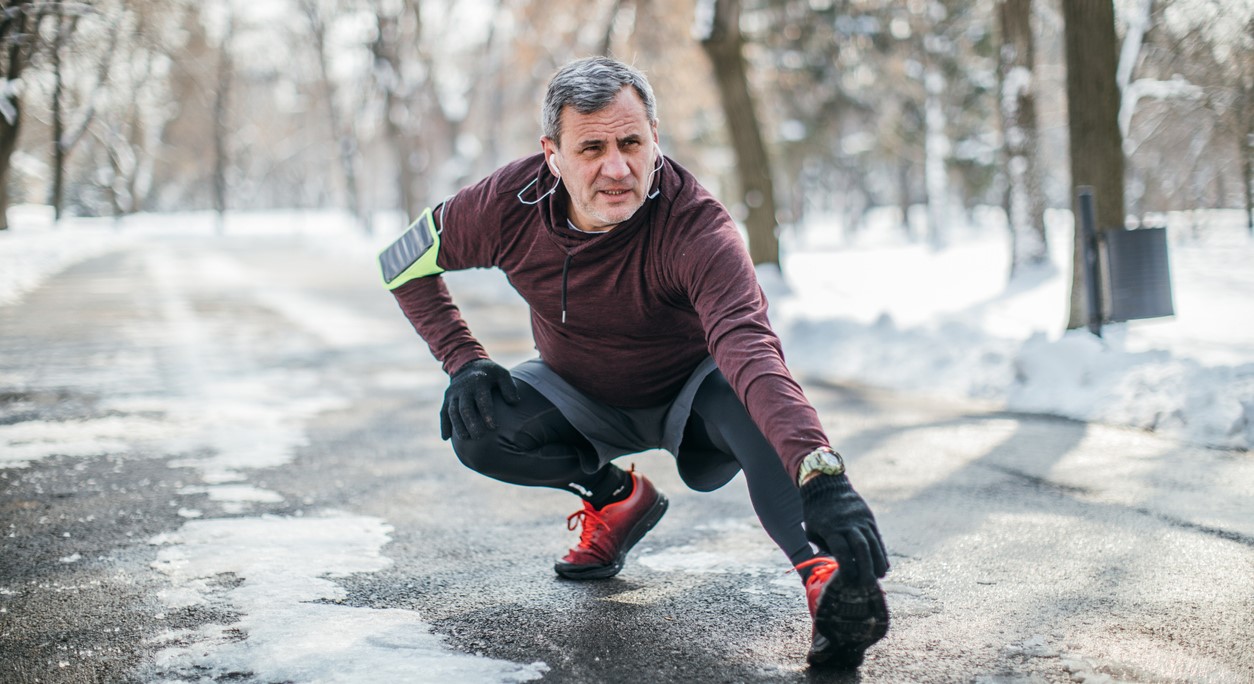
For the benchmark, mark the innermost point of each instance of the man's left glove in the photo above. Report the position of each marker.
(840, 523)
(467, 410)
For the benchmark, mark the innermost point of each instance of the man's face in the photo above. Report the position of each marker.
(605, 160)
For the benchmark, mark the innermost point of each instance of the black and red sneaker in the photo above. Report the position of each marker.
(609, 533)
(847, 619)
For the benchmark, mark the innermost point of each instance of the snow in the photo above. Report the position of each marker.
(292, 610)
(884, 312)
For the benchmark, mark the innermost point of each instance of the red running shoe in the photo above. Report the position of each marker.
(847, 620)
(608, 534)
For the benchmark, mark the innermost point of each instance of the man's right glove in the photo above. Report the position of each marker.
(467, 410)
(840, 523)
(850, 610)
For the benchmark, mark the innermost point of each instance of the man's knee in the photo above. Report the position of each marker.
(488, 455)
(718, 398)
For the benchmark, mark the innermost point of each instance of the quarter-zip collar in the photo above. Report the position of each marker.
(554, 210)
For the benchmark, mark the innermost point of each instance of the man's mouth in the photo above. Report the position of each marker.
(615, 193)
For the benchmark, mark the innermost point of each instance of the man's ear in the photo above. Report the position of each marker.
(550, 151)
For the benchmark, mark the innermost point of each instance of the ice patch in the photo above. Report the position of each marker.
(692, 560)
(234, 498)
(27, 442)
(289, 629)
(246, 424)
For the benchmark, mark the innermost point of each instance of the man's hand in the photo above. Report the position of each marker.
(840, 523)
(467, 409)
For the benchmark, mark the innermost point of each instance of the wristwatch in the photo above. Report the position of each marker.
(821, 461)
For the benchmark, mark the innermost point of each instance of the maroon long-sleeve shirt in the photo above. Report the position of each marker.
(626, 315)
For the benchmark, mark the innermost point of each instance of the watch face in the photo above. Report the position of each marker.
(820, 461)
(825, 461)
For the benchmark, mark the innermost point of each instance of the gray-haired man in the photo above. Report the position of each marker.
(652, 333)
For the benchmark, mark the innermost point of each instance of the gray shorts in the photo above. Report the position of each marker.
(620, 431)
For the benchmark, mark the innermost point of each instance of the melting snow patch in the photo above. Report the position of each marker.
(24, 443)
(235, 493)
(288, 629)
(691, 560)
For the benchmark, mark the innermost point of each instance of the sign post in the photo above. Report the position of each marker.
(1092, 269)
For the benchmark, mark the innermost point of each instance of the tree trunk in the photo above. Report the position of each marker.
(58, 121)
(723, 43)
(12, 24)
(935, 150)
(1246, 112)
(903, 195)
(607, 38)
(1025, 200)
(8, 143)
(346, 141)
(1093, 121)
(386, 48)
(226, 72)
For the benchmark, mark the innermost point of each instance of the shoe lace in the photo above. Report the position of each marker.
(822, 569)
(591, 521)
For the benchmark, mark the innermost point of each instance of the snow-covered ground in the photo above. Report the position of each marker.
(884, 312)
(880, 310)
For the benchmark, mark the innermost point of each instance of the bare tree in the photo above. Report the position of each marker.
(390, 75)
(19, 27)
(342, 129)
(719, 30)
(68, 127)
(130, 135)
(221, 111)
(1240, 123)
(1093, 117)
(63, 26)
(1025, 199)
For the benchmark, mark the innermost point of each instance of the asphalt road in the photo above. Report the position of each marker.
(155, 397)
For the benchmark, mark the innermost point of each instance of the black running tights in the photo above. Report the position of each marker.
(535, 445)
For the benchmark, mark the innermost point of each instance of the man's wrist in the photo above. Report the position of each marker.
(821, 461)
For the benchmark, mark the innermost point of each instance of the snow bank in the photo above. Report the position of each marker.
(883, 312)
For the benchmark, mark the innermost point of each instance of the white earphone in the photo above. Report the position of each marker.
(553, 165)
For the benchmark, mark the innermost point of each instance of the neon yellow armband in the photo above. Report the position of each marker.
(414, 253)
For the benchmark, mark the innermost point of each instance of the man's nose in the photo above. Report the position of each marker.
(615, 166)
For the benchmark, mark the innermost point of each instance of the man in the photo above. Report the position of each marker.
(652, 332)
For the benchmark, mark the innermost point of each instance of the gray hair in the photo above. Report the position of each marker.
(590, 85)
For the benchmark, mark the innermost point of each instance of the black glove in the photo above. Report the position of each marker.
(840, 523)
(467, 409)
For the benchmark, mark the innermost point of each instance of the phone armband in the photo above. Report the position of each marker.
(413, 254)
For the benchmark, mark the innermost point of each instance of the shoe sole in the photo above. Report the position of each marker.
(852, 620)
(641, 528)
